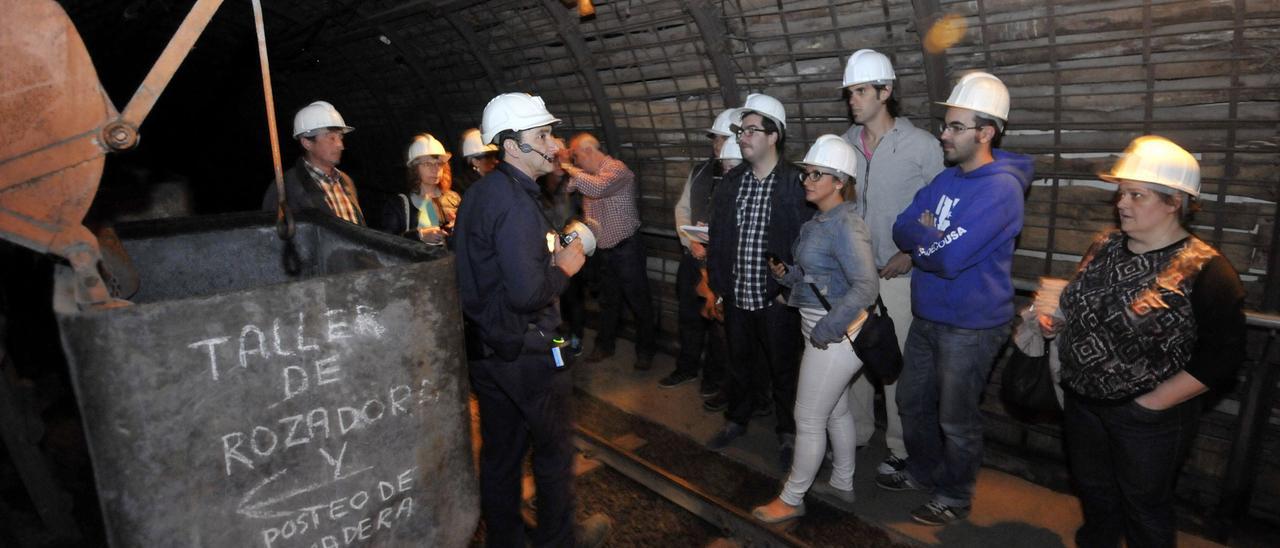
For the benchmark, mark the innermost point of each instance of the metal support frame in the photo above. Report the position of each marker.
(122, 134)
(378, 21)
(711, 26)
(684, 494)
(410, 56)
(48, 189)
(477, 48)
(577, 45)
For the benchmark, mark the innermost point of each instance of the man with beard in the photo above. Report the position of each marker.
(509, 284)
(960, 231)
(757, 212)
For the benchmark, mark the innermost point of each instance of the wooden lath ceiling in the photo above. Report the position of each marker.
(1085, 77)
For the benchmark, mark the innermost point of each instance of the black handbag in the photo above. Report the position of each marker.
(877, 341)
(1026, 386)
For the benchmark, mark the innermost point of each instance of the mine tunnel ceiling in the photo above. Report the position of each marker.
(648, 76)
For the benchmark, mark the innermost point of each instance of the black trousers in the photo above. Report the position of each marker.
(623, 279)
(524, 404)
(573, 305)
(698, 335)
(1124, 462)
(764, 350)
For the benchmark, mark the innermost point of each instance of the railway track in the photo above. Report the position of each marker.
(733, 521)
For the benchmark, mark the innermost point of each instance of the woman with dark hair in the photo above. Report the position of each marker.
(1152, 319)
(427, 211)
(833, 282)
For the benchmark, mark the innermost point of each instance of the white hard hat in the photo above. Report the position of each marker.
(473, 146)
(730, 150)
(763, 105)
(515, 112)
(868, 66)
(426, 145)
(723, 126)
(832, 152)
(1156, 160)
(981, 92)
(318, 115)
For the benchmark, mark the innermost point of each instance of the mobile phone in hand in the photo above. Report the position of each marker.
(772, 259)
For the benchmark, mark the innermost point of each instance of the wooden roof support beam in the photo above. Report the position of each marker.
(572, 36)
(377, 24)
(935, 64)
(464, 30)
(711, 26)
(412, 57)
(477, 48)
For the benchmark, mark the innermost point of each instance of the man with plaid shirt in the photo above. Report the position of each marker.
(608, 191)
(758, 209)
(315, 182)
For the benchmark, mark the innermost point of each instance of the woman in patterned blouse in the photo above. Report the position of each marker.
(1152, 319)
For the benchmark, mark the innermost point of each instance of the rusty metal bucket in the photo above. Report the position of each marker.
(236, 404)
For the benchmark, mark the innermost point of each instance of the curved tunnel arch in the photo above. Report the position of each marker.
(648, 76)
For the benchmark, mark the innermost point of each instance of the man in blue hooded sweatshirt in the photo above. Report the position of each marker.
(960, 232)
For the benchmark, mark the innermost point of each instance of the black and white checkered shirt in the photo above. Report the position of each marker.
(750, 270)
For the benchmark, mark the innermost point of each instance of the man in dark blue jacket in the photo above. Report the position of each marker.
(960, 231)
(510, 284)
(757, 210)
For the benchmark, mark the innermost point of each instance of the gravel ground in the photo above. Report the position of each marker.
(719, 476)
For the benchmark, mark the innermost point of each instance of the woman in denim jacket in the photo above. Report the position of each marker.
(834, 254)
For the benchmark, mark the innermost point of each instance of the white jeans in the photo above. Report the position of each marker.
(896, 294)
(821, 409)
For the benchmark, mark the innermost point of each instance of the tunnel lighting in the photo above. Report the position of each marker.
(944, 33)
(586, 8)
(383, 38)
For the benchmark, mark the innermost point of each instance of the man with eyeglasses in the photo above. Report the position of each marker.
(960, 232)
(757, 212)
(315, 182)
(898, 159)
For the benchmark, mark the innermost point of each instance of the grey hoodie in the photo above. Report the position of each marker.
(906, 159)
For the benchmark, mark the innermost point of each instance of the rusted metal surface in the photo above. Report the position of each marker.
(162, 71)
(60, 125)
(284, 219)
(50, 156)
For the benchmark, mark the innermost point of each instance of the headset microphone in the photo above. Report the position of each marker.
(525, 148)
